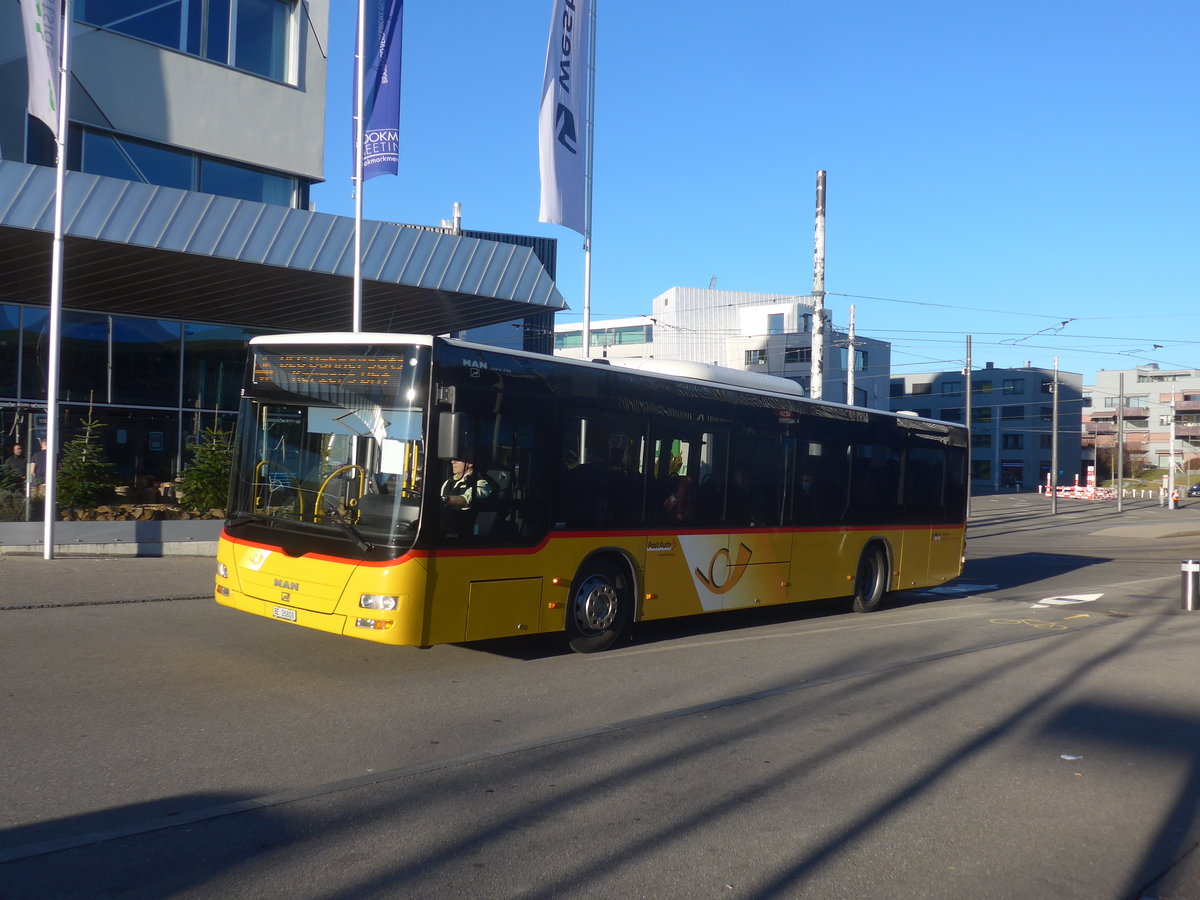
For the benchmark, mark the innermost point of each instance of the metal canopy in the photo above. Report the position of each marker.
(145, 250)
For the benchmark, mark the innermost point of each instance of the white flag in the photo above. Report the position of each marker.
(43, 43)
(562, 141)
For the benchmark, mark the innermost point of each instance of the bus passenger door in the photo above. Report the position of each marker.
(683, 521)
(753, 568)
(924, 488)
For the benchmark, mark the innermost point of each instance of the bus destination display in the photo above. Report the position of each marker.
(291, 370)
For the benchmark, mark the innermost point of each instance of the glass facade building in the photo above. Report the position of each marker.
(155, 384)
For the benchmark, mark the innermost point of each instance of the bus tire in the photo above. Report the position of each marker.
(871, 579)
(600, 608)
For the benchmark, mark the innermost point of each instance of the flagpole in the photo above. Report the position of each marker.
(587, 203)
(359, 70)
(50, 508)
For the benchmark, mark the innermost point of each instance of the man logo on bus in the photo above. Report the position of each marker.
(733, 570)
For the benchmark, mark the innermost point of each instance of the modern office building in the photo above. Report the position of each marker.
(766, 333)
(1012, 418)
(1148, 405)
(196, 131)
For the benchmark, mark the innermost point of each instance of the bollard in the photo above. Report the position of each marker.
(1189, 572)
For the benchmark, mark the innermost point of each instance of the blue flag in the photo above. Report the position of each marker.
(381, 86)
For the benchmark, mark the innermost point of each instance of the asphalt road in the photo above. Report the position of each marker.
(1031, 730)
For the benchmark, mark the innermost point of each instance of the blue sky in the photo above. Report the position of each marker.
(995, 170)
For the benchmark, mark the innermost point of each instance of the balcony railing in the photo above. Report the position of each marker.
(1129, 412)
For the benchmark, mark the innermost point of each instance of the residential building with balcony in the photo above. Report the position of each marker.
(1146, 405)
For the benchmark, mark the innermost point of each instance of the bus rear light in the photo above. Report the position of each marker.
(373, 624)
(378, 601)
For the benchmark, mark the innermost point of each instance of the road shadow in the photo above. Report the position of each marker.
(399, 834)
(1149, 736)
(717, 624)
(1021, 569)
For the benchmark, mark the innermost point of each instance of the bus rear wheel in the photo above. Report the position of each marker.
(870, 583)
(600, 608)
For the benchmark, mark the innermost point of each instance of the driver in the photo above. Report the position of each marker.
(462, 495)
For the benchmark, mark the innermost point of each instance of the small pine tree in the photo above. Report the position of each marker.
(85, 477)
(205, 481)
(10, 481)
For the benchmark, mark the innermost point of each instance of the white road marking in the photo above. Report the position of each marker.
(1069, 600)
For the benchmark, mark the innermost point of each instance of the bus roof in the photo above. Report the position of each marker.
(705, 373)
(344, 337)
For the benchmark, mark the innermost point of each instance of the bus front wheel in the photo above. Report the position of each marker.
(870, 584)
(600, 608)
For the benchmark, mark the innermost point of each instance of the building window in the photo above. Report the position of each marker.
(1012, 473)
(951, 414)
(952, 388)
(1047, 387)
(244, 183)
(1013, 386)
(981, 470)
(1012, 441)
(568, 340)
(925, 387)
(981, 387)
(1012, 412)
(981, 414)
(251, 35)
(896, 389)
(1047, 414)
(1045, 441)
(117, 156)
(804, 355)
(1127, 402)
(860, 359)
(805, 321)
(775, 323)
(756, 357)
(981, 439)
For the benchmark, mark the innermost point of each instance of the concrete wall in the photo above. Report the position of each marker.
(150, 92)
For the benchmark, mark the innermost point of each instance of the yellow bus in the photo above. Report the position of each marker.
(415, 490)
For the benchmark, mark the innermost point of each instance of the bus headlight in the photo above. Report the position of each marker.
(378, 601)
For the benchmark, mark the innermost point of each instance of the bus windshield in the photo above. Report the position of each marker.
(333, 442)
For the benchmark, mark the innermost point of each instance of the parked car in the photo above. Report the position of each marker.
(1194, 490)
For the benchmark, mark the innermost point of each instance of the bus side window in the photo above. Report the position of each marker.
(601, 473)
(757, 480)
(821, 483)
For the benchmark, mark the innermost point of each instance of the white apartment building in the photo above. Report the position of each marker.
(766, 333)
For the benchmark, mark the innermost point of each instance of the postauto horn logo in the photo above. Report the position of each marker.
(734, 569)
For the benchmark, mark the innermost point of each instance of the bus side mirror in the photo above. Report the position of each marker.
(450, 441)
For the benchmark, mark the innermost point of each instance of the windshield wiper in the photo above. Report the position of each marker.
(347, 526)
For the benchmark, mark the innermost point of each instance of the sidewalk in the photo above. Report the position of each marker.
(30, 581)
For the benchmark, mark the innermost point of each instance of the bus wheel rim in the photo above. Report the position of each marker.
(596, 605)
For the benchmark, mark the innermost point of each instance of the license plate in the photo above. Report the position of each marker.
(282, 612)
